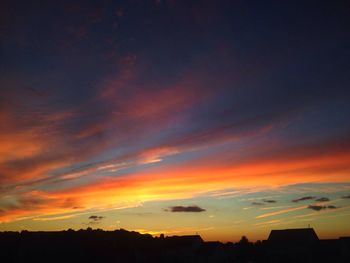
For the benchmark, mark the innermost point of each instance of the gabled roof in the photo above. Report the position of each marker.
(299, 235)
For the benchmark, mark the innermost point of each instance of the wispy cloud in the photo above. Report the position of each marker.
(274, 207)
(319, 207)
(284, 211)
(305, 198)
(96, 218)
(190, 209)
(267, 223)
(54, 217)
(270, 201)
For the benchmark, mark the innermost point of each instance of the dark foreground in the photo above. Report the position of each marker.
(124, 246)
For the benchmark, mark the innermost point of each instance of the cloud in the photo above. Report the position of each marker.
(96, 218)
(316, 207)
(270, 201)
(267, 223)
(284, 211)
(346, 197)
(332, 207)
(263, 201)
(322, 199)
(305, 198)
(84, 134)
(180, 208)
(319, 207)
(55, 217)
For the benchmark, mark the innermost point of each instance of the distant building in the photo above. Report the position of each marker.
(295, 236)
(292, 245)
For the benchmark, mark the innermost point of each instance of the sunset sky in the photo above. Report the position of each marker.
(222, 118)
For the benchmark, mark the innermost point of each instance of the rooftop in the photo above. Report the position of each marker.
(293, 235)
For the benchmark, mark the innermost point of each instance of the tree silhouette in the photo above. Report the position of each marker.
(244, 240)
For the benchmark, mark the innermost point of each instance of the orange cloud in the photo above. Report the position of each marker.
(27, 153)
(190, 179)
(284, 211)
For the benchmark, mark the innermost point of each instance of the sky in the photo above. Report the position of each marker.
(222, 118)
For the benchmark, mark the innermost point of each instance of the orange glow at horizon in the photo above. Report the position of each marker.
(183, 182)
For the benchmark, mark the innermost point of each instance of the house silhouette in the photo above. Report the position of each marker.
(293, 236)
(292, 245)
(303, 245)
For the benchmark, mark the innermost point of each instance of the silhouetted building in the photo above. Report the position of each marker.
(295, 236)
(292, 245)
